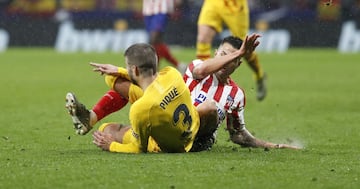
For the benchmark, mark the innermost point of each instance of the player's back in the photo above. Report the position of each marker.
(172, 120)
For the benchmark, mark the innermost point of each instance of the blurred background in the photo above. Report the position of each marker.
(112, 25)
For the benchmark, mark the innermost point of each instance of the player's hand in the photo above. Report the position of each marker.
(249, 45)
(108, 69)
(281, 146)
(102, 140)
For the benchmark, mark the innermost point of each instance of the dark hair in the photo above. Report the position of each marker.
(143, 56)
(233, 41)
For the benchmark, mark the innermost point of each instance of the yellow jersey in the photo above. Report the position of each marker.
(165, 113)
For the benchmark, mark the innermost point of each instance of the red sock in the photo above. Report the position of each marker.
(163, 52)
(109, 103)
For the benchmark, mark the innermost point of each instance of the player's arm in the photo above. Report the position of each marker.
(212, 65)
(245, 139)
(140, 134)
(240, 135)
(106, 142)
(110, 69)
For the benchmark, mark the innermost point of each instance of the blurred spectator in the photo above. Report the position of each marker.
(329, 11)
(272, 10)
(32, 7)
(4, 3)
(156, 14)
(350, 10)
(106, 4)
(78, 5)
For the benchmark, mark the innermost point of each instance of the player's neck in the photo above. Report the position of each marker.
(224, 80)
(144, 82)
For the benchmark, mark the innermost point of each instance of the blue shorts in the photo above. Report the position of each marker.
(156, 22)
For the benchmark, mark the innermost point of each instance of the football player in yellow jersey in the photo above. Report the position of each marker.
(113, 136)
(235, 14)
(164, 112)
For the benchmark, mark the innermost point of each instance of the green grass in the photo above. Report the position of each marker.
(313, 100)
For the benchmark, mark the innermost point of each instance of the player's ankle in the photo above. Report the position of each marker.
(93, 118)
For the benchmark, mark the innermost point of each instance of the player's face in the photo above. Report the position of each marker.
(228, 69)
(130, 69)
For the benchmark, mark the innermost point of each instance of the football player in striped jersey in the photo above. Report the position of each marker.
(235, 14)
(156, 14)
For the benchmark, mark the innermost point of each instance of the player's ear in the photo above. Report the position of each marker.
(136, 70)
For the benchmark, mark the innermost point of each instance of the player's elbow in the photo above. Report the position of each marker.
(200, 72)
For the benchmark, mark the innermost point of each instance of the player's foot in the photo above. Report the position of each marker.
(261, 88)
(203, 143)
(79, 114)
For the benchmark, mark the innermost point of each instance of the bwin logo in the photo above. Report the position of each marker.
(4, 40)
(70, 39)
(349, 38)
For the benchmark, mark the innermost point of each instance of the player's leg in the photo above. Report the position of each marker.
(203, 43)
(260, 76)
(238, 24)
(84, 119)
(209, 24)
(155, 26)
(122, 92)
(112, 101)
(80, 115)
(123, 134)
(206, 135)
(208, 117)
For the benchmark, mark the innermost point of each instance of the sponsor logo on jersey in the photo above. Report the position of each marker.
(200, 98)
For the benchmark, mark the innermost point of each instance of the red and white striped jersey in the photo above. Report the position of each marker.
(229, 98)
(152, 7)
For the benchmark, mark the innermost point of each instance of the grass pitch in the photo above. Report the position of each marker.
(313, 100)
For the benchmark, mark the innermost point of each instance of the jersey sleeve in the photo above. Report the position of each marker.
(235, 120)
(235, 116)
(140, 123)
(190, 68)
(139, 130)
(124, 148)
(122, 72)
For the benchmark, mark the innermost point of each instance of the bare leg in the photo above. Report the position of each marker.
(204, 39)
(206, 135)
(208, 118)
(161, 48)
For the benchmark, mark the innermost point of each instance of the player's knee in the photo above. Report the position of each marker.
(207, 107)
(211, 107)
(201, 38)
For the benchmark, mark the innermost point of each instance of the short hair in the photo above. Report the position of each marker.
(233, 41)
(143, 56)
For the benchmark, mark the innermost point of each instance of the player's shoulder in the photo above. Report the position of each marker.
(233, 84)
(192, 65)
(170, 72)
(141, 107)
(197, 61)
